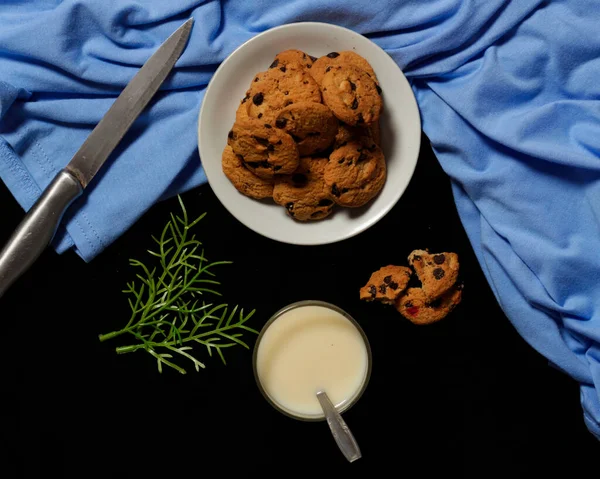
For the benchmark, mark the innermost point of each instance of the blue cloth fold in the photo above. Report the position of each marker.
(508, 93)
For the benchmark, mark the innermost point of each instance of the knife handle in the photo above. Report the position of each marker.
(37, 229)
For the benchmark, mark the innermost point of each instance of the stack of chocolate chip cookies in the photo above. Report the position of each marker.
(306, 134)
(436, 295)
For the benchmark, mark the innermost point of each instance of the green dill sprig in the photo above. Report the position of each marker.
(167, 317)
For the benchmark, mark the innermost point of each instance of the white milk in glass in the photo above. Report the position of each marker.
(306, 349)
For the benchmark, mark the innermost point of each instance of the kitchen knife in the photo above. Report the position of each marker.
(39, 226)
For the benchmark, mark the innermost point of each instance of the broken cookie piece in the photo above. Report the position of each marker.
(437, 272)
(386, 284)
(415, 306)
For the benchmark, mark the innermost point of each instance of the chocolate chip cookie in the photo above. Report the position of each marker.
(243, 179)
(292, 56)
(437, 272)
(304, 194)
(312, 125)
(266, 151)
(352, 95)
(356, 172)
(278, 88)
(415, 305)
(342, 58)
(386, 284)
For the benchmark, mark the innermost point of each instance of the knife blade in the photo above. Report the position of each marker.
(38, 227)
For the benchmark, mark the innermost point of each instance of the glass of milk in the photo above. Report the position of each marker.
(310, 346)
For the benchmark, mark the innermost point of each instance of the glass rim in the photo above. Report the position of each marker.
(310, 302)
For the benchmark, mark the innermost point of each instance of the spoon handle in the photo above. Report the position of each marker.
(339, 429)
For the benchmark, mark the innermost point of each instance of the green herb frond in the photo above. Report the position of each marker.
(167, 317)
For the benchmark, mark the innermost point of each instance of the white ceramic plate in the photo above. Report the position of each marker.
(400, 131)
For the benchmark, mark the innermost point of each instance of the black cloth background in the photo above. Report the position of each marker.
(466, 397)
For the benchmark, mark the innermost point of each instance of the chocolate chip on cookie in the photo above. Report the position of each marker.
(265, 151)
(386, 284)
(346, 57)
(437, 272)
(356, 172)
(352, 95)
(312, 125)
(304, 194)
(416, 306)
(243, 179)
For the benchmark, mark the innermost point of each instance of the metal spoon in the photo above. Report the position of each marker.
(339, 429)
